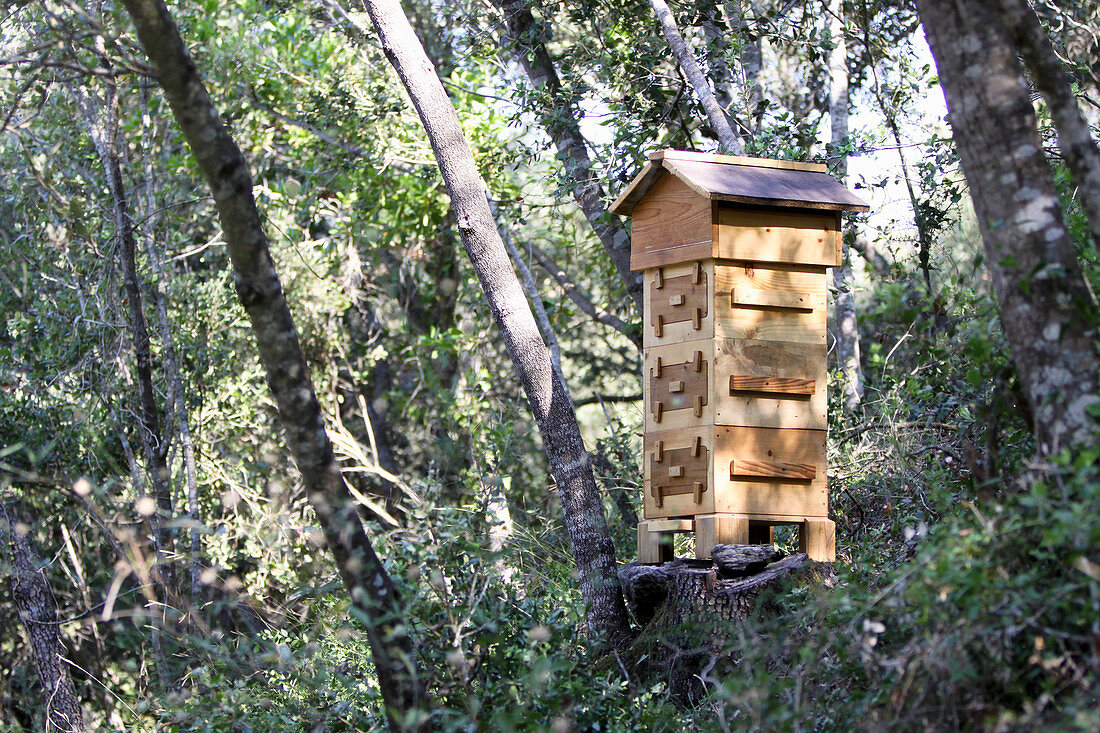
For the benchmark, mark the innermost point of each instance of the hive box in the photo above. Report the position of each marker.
(735, 254)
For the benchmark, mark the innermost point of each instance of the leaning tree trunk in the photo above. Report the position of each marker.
(1046, 307)
(847, 329)
(257, 284)
(1074, 138)
(35, 603)
(547, 394)
(560, 121)
(728, 140)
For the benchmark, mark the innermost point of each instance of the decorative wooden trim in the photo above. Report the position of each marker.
(769, 469)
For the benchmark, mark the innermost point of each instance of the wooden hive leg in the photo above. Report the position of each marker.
(655, 542)
(719, 529)
(817, 538)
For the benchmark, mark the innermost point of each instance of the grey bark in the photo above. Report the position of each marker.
(1046, 306)
(847, 327)
(728, 140)
(715, 31)
(546, 393)
(1074, 138)
(561, 123)
(37, 609)
(374, 597)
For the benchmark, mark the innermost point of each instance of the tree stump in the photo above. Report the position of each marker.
(687, 609)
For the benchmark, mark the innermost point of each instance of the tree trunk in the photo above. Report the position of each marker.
(102, 128)
(561, 123)
(752, 60)
(847, 329)
(1074, 138)
(373, 594)
(582, 299)
(889, 113)
(715, 31)
(35, 603)
(549, 336)
(547, 394)
(728, 140)
(171, 363)
(1046, 307)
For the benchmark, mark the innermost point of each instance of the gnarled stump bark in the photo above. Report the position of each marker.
(687, 610)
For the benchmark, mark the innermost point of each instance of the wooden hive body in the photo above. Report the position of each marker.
(735, 254)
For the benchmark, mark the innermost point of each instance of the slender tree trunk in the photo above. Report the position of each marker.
(728, 140)
(715, 31)
(752, 60)
(561, 123)
(103, 131)
(582, 299)
(38, 611)
(168, 355)
(1074, 138)
(889, 113)
(549, 336)
(1046, 307)
(546, 392)
(847, 340)
(373, 594)
(870, 255)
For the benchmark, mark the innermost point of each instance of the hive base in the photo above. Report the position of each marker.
(816, 537)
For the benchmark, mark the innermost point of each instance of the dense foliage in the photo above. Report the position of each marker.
(968, 589)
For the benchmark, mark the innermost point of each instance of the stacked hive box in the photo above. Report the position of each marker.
(734, 253)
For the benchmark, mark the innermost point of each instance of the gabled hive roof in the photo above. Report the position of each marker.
(743, 180)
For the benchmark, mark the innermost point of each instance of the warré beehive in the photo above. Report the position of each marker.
(734, 253)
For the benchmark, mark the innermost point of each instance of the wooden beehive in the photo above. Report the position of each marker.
(734, 253)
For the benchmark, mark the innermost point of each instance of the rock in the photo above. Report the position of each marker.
(738, 561)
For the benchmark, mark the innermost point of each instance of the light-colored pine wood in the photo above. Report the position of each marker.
(740, 468)
(671, 256)
(719, 529)
(782, 385)
(764, 276)
(774, 384)
(747, 360)
(679, 298)
(668, 496)
(802, 324)
(777, 236)
(673, 324)
(774, 299)
(817, 538)
(787, 488)
(656, 536)
(670, 217)
(781, 498)
(670, 525)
